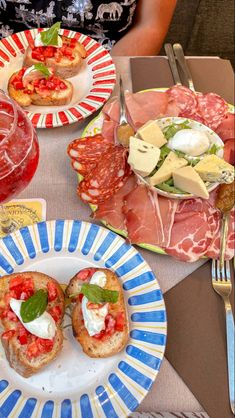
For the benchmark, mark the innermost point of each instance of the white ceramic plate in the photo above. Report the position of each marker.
(75, 385)
(93, 84)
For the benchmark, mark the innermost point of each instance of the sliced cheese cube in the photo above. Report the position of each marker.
(151, 133)
(188, 180)
(214, 169)
(143, 157)
(171, 163)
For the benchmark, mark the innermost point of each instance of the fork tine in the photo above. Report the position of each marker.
(227, 268)
(218, 271)
(213, 270)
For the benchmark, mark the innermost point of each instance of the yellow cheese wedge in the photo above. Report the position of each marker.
(214, 169)
(151, 133)
(171, 163)
(143, 157)
(188, 180)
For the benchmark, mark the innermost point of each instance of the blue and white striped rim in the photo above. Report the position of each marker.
(133, 376)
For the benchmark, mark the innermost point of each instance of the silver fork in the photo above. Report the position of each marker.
(221, 282)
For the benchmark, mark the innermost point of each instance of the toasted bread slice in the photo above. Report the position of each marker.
(65, 68)
(55, 98)
(16, 353)
(107, 346)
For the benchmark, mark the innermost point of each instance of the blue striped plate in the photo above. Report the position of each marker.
(75, 385)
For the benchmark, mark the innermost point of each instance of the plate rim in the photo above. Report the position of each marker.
(23, 235)
(14, 44)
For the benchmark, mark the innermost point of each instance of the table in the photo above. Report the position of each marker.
(56, 182)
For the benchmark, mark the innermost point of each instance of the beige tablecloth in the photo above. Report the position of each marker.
(56, 183)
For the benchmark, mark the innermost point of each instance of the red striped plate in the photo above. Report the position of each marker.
(93, 84)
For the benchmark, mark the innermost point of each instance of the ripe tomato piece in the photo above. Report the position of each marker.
(91, 305)
(37, 56)
(23, 339)
(12, 316)
(44, 345)
(3, 313)
(7, 335)
(86, 274)
(55, 312)
(110, 323)
(229, 151)
(49, 52)
(15, 282)
(33, 349)
(52, 291)
(120, 321)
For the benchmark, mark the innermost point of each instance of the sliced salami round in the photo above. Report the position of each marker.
(88, 149)
(185, 99)
(212, 108)
(107, 177)
(82, 168)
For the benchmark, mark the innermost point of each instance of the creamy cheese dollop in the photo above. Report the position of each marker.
(190, 141)
(38, 41)
(94, 319)
(43, 327)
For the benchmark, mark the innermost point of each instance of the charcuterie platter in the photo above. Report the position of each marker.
(183, 225)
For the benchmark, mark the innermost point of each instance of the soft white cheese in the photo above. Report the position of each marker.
(190, 141)
(94, 319)
(38, 41)
(43, 327)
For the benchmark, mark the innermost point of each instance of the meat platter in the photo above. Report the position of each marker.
(187, 229)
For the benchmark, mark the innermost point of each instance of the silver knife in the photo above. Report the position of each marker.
(179, 53)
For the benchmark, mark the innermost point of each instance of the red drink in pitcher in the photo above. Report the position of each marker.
(19, 150)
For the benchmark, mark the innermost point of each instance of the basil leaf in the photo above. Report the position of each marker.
(43, 69)
(171, 130)
(97, 294)
(214, 149)
(169, 188)
(34, 307)
(50, 36)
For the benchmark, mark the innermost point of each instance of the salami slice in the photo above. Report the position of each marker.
(88, 149)
(185, 98)
(82, 168)
(212, 108)
(107, 177)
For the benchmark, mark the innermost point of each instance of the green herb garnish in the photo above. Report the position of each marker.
(172, 129)
(50, 36)
(97, 294)
(34, 307)
(214, 149)
(43, 69)
(169, 187)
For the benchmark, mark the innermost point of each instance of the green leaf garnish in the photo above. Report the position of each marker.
(97, 294)
(169, 187)
(34, 307)
(171, 130)
(214, 149)
(43, 69)
(50, 36)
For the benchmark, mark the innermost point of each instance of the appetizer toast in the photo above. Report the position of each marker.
(26, 352)
(50, 91)
(114, 334)
(66, 60)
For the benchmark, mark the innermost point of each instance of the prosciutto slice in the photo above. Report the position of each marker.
(111, 210)
(167, 210)
(213, 250)
(142, 217)
(226, 130)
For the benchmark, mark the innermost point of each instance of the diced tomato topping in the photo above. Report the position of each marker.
(120, 321)
(109, 330)
(11, 316)
(91, 305)
(52, 291)
(7, 335)
(18, 85)
(3, 313)
(23, 334)
(33, 349)
(45, 346)
(36, 55)
(15, 281)
(55, 312)
(86, 274)
(49, 52)
(23, 339)
(80, 297)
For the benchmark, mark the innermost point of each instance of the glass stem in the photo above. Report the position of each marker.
(6, 224)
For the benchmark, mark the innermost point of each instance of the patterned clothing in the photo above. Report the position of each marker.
(105, 21)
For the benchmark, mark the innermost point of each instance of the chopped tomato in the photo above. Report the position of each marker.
(49, 52)
(23, 334)
(91, 305)
(55, 312)
(80, 297)
(33, 349)
(44, 345)
(7, 335)
(85, 274)
(11, 316)
(23, 339)
(120, 321)
(37, 55)
(109, 330)
(15, 281)
(21, 289)
(52, 291)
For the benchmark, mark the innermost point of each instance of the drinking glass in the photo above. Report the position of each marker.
(19, 154)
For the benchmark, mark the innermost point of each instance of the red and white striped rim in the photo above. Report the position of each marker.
(101, 66)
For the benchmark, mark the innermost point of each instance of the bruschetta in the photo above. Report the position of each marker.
(39, 89)
(30, 344)
(66, 57)
(100, 327)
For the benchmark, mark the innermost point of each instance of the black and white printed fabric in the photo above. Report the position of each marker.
(105, 21)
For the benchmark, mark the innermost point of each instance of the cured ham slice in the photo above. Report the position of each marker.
(213, 250)
(167, 210)
(142, 216)
(226, 129)
(111, 210)
(229, 151)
